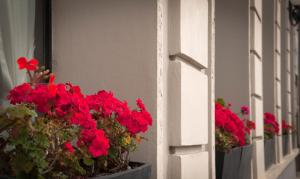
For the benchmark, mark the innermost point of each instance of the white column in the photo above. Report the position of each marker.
(188, 89)
(257, 87)
(278, 105)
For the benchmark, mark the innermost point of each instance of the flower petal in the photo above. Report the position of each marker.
(32, 64)
(51, 78)
(22, 62)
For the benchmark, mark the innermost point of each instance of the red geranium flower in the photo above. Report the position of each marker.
(245, 110)
(271, 126)
(69, 147)
(250, 124)
(51, 86)
(286, 128)
(30, 65)
(229, 123)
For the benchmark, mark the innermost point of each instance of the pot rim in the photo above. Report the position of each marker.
(120, 173)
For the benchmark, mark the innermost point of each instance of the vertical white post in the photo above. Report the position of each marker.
(256, 84)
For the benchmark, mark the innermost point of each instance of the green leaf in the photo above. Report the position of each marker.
(88, 161)
(221, 101)
(22, 164)
(21, 111)
(22, 175)
(112, 153)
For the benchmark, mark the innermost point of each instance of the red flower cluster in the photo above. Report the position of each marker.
(271, 126)
(66, 102)
(98, 125)
(106, 105)
(286, 128)
(245, 110)
(19, 93)
(97, 141)
(228, 121)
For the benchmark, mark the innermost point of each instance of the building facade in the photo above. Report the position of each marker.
(179, 56)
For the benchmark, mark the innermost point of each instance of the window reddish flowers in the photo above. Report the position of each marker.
(286, 128)
(30, 65)
(245, 110)
(106, 105)
(271, 126)
(105, 128)
(69, 147)
(231, 126)
(51, 86)
(231, 130)
(19, 94)
(251, 125)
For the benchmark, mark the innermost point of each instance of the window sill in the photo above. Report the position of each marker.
(275, 170)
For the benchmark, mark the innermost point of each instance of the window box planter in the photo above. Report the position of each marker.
(285, 144)
(294, 139)
(245, 163)
(234, 164)
(138, 171)
(269, 147)
(227, 163)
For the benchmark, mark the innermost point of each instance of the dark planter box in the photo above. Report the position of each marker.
(142, 171)
(227, 164)
(294, 138)
(285, 144)
(270, 155)
(245, 163)
(235, 164)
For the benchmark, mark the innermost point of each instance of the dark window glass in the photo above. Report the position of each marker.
(43, 32)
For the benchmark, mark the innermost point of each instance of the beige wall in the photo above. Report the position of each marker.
(110, 45)
(232, 52)
(268, 56)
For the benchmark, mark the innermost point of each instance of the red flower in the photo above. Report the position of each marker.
(105, 104)
(286, 128)
(100, 145)
(245, 110)
(271, 126)
(19, 93)
(30, 65)
(41, 97)
(51, 86)
(136, 120)
(230, 123)
(97, 141)
(251, 124)
(69, 147)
